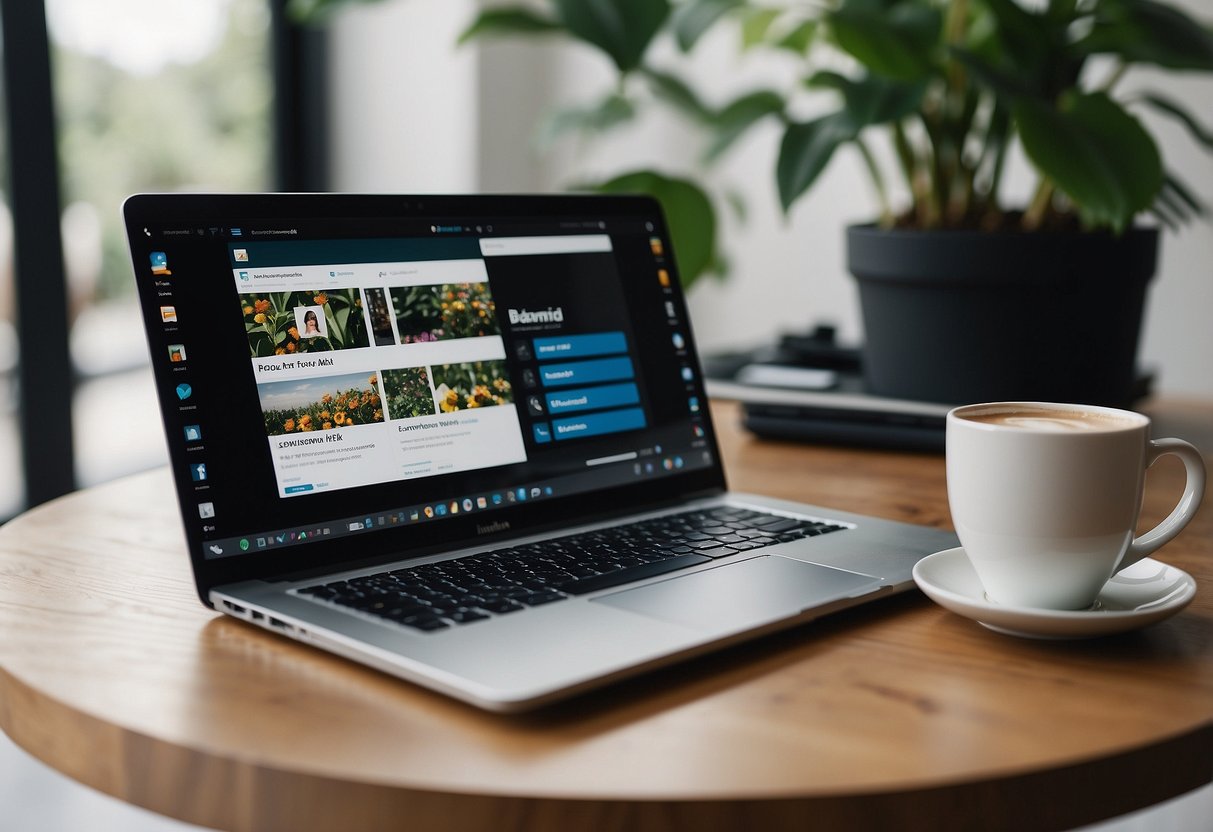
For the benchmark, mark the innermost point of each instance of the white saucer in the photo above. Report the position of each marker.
(1146, 592)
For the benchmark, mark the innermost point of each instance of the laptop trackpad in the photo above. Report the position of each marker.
(743, 594)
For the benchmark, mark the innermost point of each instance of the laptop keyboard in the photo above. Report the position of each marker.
(436, 596)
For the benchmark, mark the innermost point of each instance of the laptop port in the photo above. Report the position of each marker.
(234, 607)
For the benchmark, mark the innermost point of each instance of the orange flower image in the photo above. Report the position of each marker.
(298, 406)
(272, 321)
(476, 384)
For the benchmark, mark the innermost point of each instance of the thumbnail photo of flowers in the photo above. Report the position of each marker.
(408, 393)
(444, 312)
(285, 323)
(323, 403)
(474, 384)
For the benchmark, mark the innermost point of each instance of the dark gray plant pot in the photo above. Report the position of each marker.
(959, 317)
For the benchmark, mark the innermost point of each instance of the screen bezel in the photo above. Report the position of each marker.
(389, 544)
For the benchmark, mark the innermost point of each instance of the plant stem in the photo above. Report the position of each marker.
(954, 29)
(936, 176)
(907, 163)
(1041, 201)
(996, 142)
(882, 194)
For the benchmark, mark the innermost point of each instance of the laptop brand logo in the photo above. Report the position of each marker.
(489, 528)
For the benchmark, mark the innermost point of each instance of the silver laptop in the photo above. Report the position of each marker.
(465, 440)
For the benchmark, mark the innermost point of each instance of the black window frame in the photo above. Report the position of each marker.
(300, 163)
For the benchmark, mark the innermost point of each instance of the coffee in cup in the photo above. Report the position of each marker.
(1045, 497)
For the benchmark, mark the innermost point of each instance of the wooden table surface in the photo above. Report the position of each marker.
(899, 715)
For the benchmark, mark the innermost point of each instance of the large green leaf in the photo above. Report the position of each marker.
(800, 38)
(871, 100)
(1095, 152)
(1004, 82)
(508, 21)
(898, 42)
(805, 151)
(1023, 33)
(622, 29)
(689, 212)
(678, 93)
(695, 17)
(755, 25)
(1142, 31)
(596, 118)
(1010, 45)
(738, 116)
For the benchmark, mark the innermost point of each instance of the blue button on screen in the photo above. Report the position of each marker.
(586, 372)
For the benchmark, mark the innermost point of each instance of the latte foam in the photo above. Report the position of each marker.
(1045, 419)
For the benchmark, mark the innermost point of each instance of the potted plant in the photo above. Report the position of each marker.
(964, 297)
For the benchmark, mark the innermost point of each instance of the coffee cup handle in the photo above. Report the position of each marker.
(1194, 491)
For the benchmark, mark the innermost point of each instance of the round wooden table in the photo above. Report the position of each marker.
(896, 716)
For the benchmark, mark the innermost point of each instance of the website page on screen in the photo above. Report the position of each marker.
(389, 381)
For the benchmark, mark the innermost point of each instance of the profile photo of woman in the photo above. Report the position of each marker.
(310, 322)
(310, 327)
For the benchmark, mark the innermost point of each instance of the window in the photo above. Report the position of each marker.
(150, 96)
(111, 99)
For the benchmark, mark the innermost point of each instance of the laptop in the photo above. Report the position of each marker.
(465, 440)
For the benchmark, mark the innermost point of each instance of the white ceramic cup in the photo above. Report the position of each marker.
(1045, 497)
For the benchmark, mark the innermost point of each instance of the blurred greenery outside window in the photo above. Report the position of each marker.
(149, 96)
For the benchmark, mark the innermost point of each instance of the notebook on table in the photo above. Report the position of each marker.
(465, 440)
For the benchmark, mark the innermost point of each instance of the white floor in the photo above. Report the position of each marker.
(33, 798)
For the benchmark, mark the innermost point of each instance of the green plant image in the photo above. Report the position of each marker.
(950, 87)
(325, 403)
(408, 394)
(474, 384)
(274, 327)
(418, 313)
(442, 312)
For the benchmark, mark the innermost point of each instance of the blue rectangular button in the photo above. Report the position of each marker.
(596, 424)
(586, 372)
(593, 398)
(298, 489)
(543, 432)
(580, 346)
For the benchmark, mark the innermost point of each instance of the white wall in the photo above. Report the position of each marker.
(404, 107)
(417, 115)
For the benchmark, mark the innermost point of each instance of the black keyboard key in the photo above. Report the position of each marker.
(635, 573)
(780, 525)
(730, 538)
(503, 606)
(539, 598)
(718, 552)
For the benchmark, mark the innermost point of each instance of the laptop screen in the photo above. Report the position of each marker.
(342, 376)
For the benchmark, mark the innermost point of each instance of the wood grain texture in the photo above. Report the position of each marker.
(899, 715)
